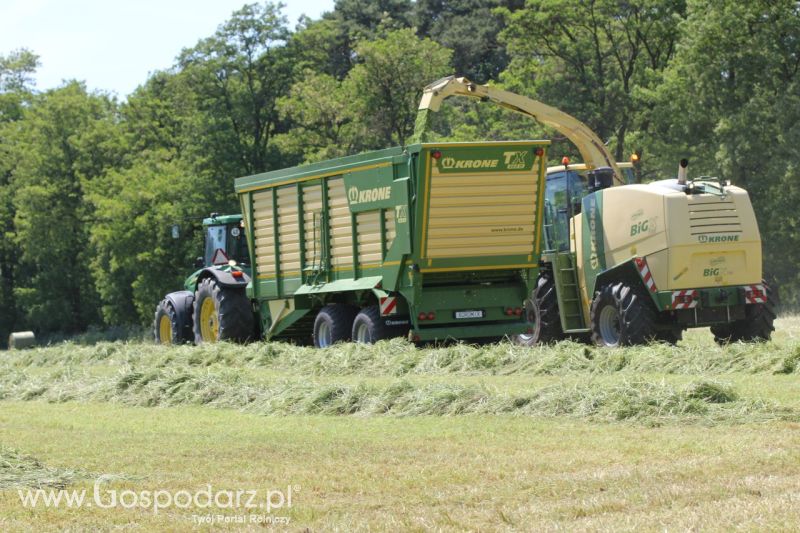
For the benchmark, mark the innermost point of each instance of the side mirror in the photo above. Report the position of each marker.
(199, 262)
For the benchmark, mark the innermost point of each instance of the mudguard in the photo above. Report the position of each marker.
(182, 302)
(225, 278)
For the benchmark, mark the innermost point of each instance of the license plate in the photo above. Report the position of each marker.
(472, 313)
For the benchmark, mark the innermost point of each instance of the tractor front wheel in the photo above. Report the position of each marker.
(221, 314)
(622, 316)
(166, 327)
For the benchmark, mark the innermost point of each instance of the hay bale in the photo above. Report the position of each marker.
(21, 339)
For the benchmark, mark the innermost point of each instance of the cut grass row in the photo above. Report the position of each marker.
(624, 398)
(656, 383)
(694, 356)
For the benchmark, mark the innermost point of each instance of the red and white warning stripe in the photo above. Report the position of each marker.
(388, 305)
(755, 294)
(644, 271)
(685, 299)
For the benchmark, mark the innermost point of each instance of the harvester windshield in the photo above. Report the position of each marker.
(561, 185)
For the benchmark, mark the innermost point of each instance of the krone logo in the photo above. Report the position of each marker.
(717, 238)
(368, 195)
(453, 163)
(594, 260)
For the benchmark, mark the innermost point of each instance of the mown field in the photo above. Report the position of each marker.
(391, 437)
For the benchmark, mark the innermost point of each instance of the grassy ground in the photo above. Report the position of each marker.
(391, 437)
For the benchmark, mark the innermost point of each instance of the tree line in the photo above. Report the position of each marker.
(90, 185)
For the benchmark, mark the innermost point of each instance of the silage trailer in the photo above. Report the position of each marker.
(431, 241)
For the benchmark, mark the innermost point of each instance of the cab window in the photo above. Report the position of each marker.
(215, 239)
(557, 210)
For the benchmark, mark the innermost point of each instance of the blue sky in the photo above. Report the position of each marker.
(113, 45)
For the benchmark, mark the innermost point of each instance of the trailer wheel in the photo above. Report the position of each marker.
(221, 314)
(541, 310)
(622, 316)
(757, 325)
(369, 328)
(166, 329)
(334, 323)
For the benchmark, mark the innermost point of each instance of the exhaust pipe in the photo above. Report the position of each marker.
(682, 171)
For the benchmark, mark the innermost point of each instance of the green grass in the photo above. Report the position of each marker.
(415, 473)
(393, 437)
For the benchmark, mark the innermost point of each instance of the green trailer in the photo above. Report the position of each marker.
(430, 242)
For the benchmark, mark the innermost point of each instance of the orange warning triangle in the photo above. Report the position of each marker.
(220, 258)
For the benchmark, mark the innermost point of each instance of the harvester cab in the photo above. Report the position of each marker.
(627, 263)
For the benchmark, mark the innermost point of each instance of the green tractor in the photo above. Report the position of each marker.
(213, 305)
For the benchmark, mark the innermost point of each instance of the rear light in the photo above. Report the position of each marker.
(684, 299)
(539, 152)
(422, 316)
(431, 315)
(757, 293)
(237, 274)
(509, 311)
(436, 154)
(518, 311)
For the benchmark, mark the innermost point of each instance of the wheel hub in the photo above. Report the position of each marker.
(209, 322)
(165, 330)
(609, 325)
(324, 335)
(362, 334)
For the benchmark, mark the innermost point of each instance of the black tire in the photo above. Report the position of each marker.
(541, 309)
(369, 327)
(622, 316)
(167, 329)
(670, 336)
(232, 313)
(757, 326)
(334, 323)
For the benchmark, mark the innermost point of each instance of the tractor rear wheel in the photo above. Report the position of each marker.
(757, 325)
(541, 310)
(622, 316)
(221, 314)
(334, 323)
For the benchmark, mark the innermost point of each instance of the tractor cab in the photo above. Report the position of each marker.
(224, 241)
